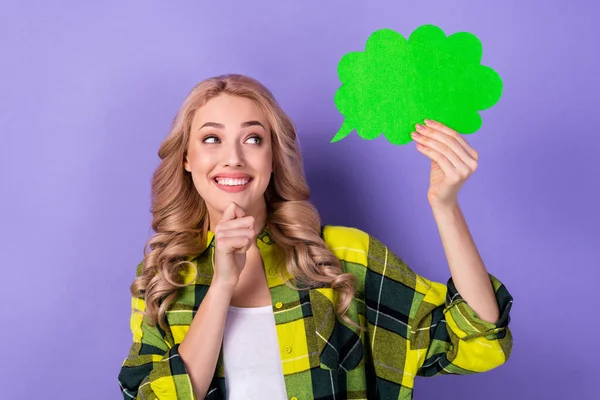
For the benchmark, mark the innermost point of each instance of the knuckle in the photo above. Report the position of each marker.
(454, 178)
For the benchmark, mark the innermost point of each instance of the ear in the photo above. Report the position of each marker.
(186, 163)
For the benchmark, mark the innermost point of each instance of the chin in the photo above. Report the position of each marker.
(224, 201)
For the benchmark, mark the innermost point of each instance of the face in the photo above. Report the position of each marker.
(229, 155)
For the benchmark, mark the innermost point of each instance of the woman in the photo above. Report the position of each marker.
(243, 294)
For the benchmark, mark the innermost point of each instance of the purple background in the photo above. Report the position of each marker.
(88, 91)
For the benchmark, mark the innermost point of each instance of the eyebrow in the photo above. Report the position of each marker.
(221, 126)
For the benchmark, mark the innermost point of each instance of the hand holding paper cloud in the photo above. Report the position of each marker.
(396, 83)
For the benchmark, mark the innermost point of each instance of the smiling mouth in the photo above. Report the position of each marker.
(232, 182)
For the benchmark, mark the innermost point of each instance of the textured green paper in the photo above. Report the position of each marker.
(396, 83)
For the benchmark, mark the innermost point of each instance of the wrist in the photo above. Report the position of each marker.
(448, 208)
(224, 286)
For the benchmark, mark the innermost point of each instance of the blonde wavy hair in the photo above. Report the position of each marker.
(181, 221)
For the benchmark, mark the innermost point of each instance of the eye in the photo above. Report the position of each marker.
(257, 138)
(210, 139)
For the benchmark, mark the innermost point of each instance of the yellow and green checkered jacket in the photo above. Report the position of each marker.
(414, 327)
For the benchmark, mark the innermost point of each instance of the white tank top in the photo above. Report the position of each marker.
(251, 355)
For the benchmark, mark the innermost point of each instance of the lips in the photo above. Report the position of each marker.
(232, 176)
(232, 185)
(232, 182)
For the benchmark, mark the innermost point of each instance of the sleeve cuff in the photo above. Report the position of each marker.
(169, 377)
(467, 320)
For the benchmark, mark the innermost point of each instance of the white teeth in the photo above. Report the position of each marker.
(232, 182)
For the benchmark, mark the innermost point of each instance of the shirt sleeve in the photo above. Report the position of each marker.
(455, 339)
(153, 369)
(431, 328)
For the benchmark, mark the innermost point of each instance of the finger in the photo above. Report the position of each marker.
(452, 133)
(457, 136)
(239, 211)
(456, 162)
(238, 244)
(451, 143)
(231, 213)
(246, 232)
(238, 223)
(446, 166)
(228, 213)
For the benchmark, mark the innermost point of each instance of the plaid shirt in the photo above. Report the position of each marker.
(415, 327)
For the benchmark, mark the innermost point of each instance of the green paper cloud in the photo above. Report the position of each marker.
(395, 84)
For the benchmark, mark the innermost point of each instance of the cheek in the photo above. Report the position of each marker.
(260, 161)
(267, 162)
(268, 165)
(199, 164)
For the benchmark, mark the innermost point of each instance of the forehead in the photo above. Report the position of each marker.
(229, 110)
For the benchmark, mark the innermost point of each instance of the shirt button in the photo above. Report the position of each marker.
(288, 349)
(278, 304)
(266, 239)
(273, 271)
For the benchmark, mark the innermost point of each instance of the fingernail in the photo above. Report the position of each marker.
(429, 121)
(420, 127)
(415, 134)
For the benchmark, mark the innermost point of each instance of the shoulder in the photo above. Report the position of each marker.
(347, 243)
(139, 269)
(361, 253)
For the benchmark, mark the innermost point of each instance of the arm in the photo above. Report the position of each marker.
(471, 324)
(153, 369)
(201, 346)
(450, 338)
(186, 370)
(469, 317)
(435, 330)
(468, 271)
(464, 325)
(417, 326)
(453, 161)
(156, 368)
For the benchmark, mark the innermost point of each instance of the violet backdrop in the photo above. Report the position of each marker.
(88, 91)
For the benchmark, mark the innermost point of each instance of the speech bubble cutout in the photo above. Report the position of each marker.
(396, 83)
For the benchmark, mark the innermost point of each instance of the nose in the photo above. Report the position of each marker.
(233, 156)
